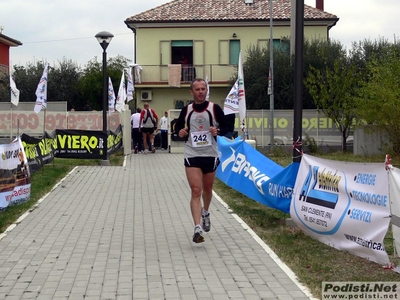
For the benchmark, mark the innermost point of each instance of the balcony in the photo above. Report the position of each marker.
(150, 75)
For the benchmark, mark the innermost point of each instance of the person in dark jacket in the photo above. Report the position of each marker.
(230, 123)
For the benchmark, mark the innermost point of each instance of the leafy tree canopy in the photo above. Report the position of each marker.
(379, 96)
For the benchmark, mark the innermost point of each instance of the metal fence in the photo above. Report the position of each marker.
(315, 125)
(15, 120)
(22, 119)
(160, 73)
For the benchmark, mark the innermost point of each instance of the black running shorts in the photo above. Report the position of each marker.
(147, 130)
(206, 164)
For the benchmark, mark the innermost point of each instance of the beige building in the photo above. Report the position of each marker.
(184, 39)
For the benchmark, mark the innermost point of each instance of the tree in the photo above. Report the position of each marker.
(91, 83)
(4, 87)
(81, 89)
(64, 82)
(27, 79)
(91, 86)
(256, 70)
(317, 54)
(379, 97)
(333, 88)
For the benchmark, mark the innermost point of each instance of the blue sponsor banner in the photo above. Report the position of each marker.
(248, 171)
(280, 187)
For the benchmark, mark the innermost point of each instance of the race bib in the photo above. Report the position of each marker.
(201, 139)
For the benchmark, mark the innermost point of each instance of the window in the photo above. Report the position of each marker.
(234, 50)
(182, 53)
(279, 44)
(180, 50)
(179, 104)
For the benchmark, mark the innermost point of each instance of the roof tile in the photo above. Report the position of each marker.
(224, 10)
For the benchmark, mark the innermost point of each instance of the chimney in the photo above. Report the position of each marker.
(319, 4)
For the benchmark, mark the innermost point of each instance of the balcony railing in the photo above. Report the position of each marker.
(146, 74)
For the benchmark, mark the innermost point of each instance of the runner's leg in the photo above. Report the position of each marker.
(208, 182)
(194, 176)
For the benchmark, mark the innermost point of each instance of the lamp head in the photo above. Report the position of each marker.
(104, 38)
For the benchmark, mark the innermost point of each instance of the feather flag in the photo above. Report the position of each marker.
(130, 88)
(120, 102)
(14, 92)
(231, 104)
(208, 90)
(241, 94)
(41, 91)
(111, 96)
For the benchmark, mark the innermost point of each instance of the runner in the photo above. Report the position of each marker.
(205, 120)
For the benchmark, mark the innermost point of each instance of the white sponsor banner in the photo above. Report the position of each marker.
(394, 183)
(22, 189)
(14, 174)
(344, 205)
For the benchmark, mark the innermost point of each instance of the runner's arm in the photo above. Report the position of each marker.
(220, 116)
(180, 123)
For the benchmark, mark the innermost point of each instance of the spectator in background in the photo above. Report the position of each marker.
(164, 131)
(148, 124)
(137, 142)
(230, 124)
(185, 68)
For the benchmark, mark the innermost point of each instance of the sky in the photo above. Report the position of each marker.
(55, 30)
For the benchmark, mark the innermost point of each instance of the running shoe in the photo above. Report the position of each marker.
(136, 150)
(198, 235)
(206, 222)
(153, 150)
(146, 151)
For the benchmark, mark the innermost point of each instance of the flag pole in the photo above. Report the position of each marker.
(44, 122)
(44, 134)
(242, 97)
(11, 137)
(44, 127)
(14, 97)
(11, 132)
(12, 113)
(108, 120)
(245, 134)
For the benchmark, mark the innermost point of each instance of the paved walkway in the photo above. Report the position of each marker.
(125, 233)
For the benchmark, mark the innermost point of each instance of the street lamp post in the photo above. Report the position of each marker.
(104, 39)
(298, 82)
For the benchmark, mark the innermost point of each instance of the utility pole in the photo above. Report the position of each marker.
(271, 77)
